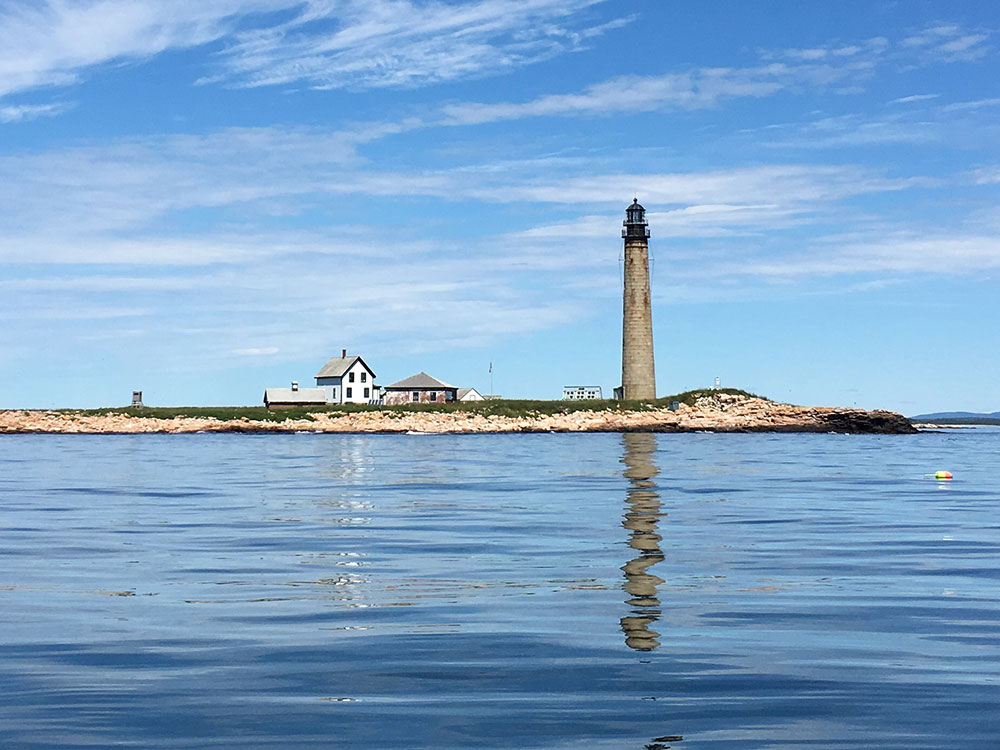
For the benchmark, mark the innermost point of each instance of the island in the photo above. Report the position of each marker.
(726, 410)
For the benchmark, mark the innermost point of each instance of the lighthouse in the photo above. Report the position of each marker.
(638, 374)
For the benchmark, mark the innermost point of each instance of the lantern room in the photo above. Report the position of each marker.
(636, 226)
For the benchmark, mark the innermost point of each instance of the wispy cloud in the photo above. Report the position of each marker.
(949, 42)
(861, 53)
(900, 251)
(191, 229)
(52, 42)
(224, 197)
(959, 125)
(124, 185)
(856, 130)
(977, 104)
(986, 175)
(783, 184)
(914, 98)
(379, 43)
(73, 313)
(693, 90)
(257, 351)
(318, 43)
(843, 68)
(936, 43)
(23, 112)
(293, 307)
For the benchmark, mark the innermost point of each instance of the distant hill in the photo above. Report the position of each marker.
(958, 417)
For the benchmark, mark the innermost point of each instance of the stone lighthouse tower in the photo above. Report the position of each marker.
(638, 375)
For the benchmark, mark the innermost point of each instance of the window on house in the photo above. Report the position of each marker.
(364, 377)
(350, 377)
(366, 393)
(349, 392)
(416, 396)
(434, 396)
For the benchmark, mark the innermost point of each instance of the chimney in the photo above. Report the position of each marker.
(343, 353)
(295, 385)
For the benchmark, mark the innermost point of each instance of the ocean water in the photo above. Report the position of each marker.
(633, 592)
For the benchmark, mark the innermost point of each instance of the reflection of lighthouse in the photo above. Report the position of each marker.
(641, 518)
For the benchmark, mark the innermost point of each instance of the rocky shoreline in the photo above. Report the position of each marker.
(714, 413)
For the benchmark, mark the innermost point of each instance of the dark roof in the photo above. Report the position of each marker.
(420, 381)
(635, 204)
(337, 366)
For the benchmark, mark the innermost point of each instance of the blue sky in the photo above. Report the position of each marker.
(204, 198)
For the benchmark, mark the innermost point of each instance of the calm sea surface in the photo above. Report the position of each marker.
(500, 591)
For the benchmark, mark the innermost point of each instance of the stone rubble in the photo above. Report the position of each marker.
(711, 413)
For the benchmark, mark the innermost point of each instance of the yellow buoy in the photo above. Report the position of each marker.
(942, 475)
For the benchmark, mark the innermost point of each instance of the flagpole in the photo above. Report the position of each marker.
(491, 379)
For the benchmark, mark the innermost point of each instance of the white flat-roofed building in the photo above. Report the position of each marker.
(290, 398)
(581, 392)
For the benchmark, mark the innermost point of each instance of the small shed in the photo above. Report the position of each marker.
(469, 394)
(420, 389)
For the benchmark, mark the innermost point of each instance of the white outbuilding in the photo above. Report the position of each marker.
(294, 397)
(581, 392)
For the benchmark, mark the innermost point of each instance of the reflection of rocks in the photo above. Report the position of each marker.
(718, 412)
(642, 517)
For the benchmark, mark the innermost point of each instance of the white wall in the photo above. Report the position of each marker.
(357, 387)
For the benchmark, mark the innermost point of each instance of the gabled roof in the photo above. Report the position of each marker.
(420, 381)
(300, 396)
(337, 366)
(463, 392)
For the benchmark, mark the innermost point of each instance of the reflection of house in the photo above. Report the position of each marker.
(289, 398)
(347, 380)
(420, 388)
(469, 394)
(581, 392)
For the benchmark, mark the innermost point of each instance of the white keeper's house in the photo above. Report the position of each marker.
(347, 380)
(342, 380)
